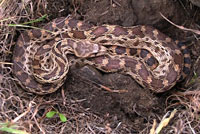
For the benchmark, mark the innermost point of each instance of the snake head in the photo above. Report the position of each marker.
(88, 49)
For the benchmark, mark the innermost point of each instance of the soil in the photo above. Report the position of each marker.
(133, 106)
(131, 109)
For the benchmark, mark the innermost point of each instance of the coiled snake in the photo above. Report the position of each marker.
(42, 57)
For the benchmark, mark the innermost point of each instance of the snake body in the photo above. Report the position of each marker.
(42, 57)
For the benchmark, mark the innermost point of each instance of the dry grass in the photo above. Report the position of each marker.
(27, 110)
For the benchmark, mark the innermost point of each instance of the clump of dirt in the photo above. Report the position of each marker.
(96, 102)
(131, 12)
(129, 102)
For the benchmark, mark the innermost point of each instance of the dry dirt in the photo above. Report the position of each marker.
(92, 109)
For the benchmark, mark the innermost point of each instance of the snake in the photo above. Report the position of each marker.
(42, 57)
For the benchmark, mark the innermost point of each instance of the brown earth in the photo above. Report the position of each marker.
(89, 107)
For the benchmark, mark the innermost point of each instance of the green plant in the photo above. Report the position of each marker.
(194, 78)
(62, 117)
(9, 127)
(26, 24)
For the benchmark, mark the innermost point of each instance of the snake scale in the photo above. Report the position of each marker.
(42, 57)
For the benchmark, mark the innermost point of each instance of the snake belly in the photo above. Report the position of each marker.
(41, 57)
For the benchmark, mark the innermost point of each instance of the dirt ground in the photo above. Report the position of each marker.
(89, 108)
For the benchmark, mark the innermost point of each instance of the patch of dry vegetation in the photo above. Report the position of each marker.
(27, 110)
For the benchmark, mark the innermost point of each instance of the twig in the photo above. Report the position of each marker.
(23, 114)
(181, 27)
(5, 63)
